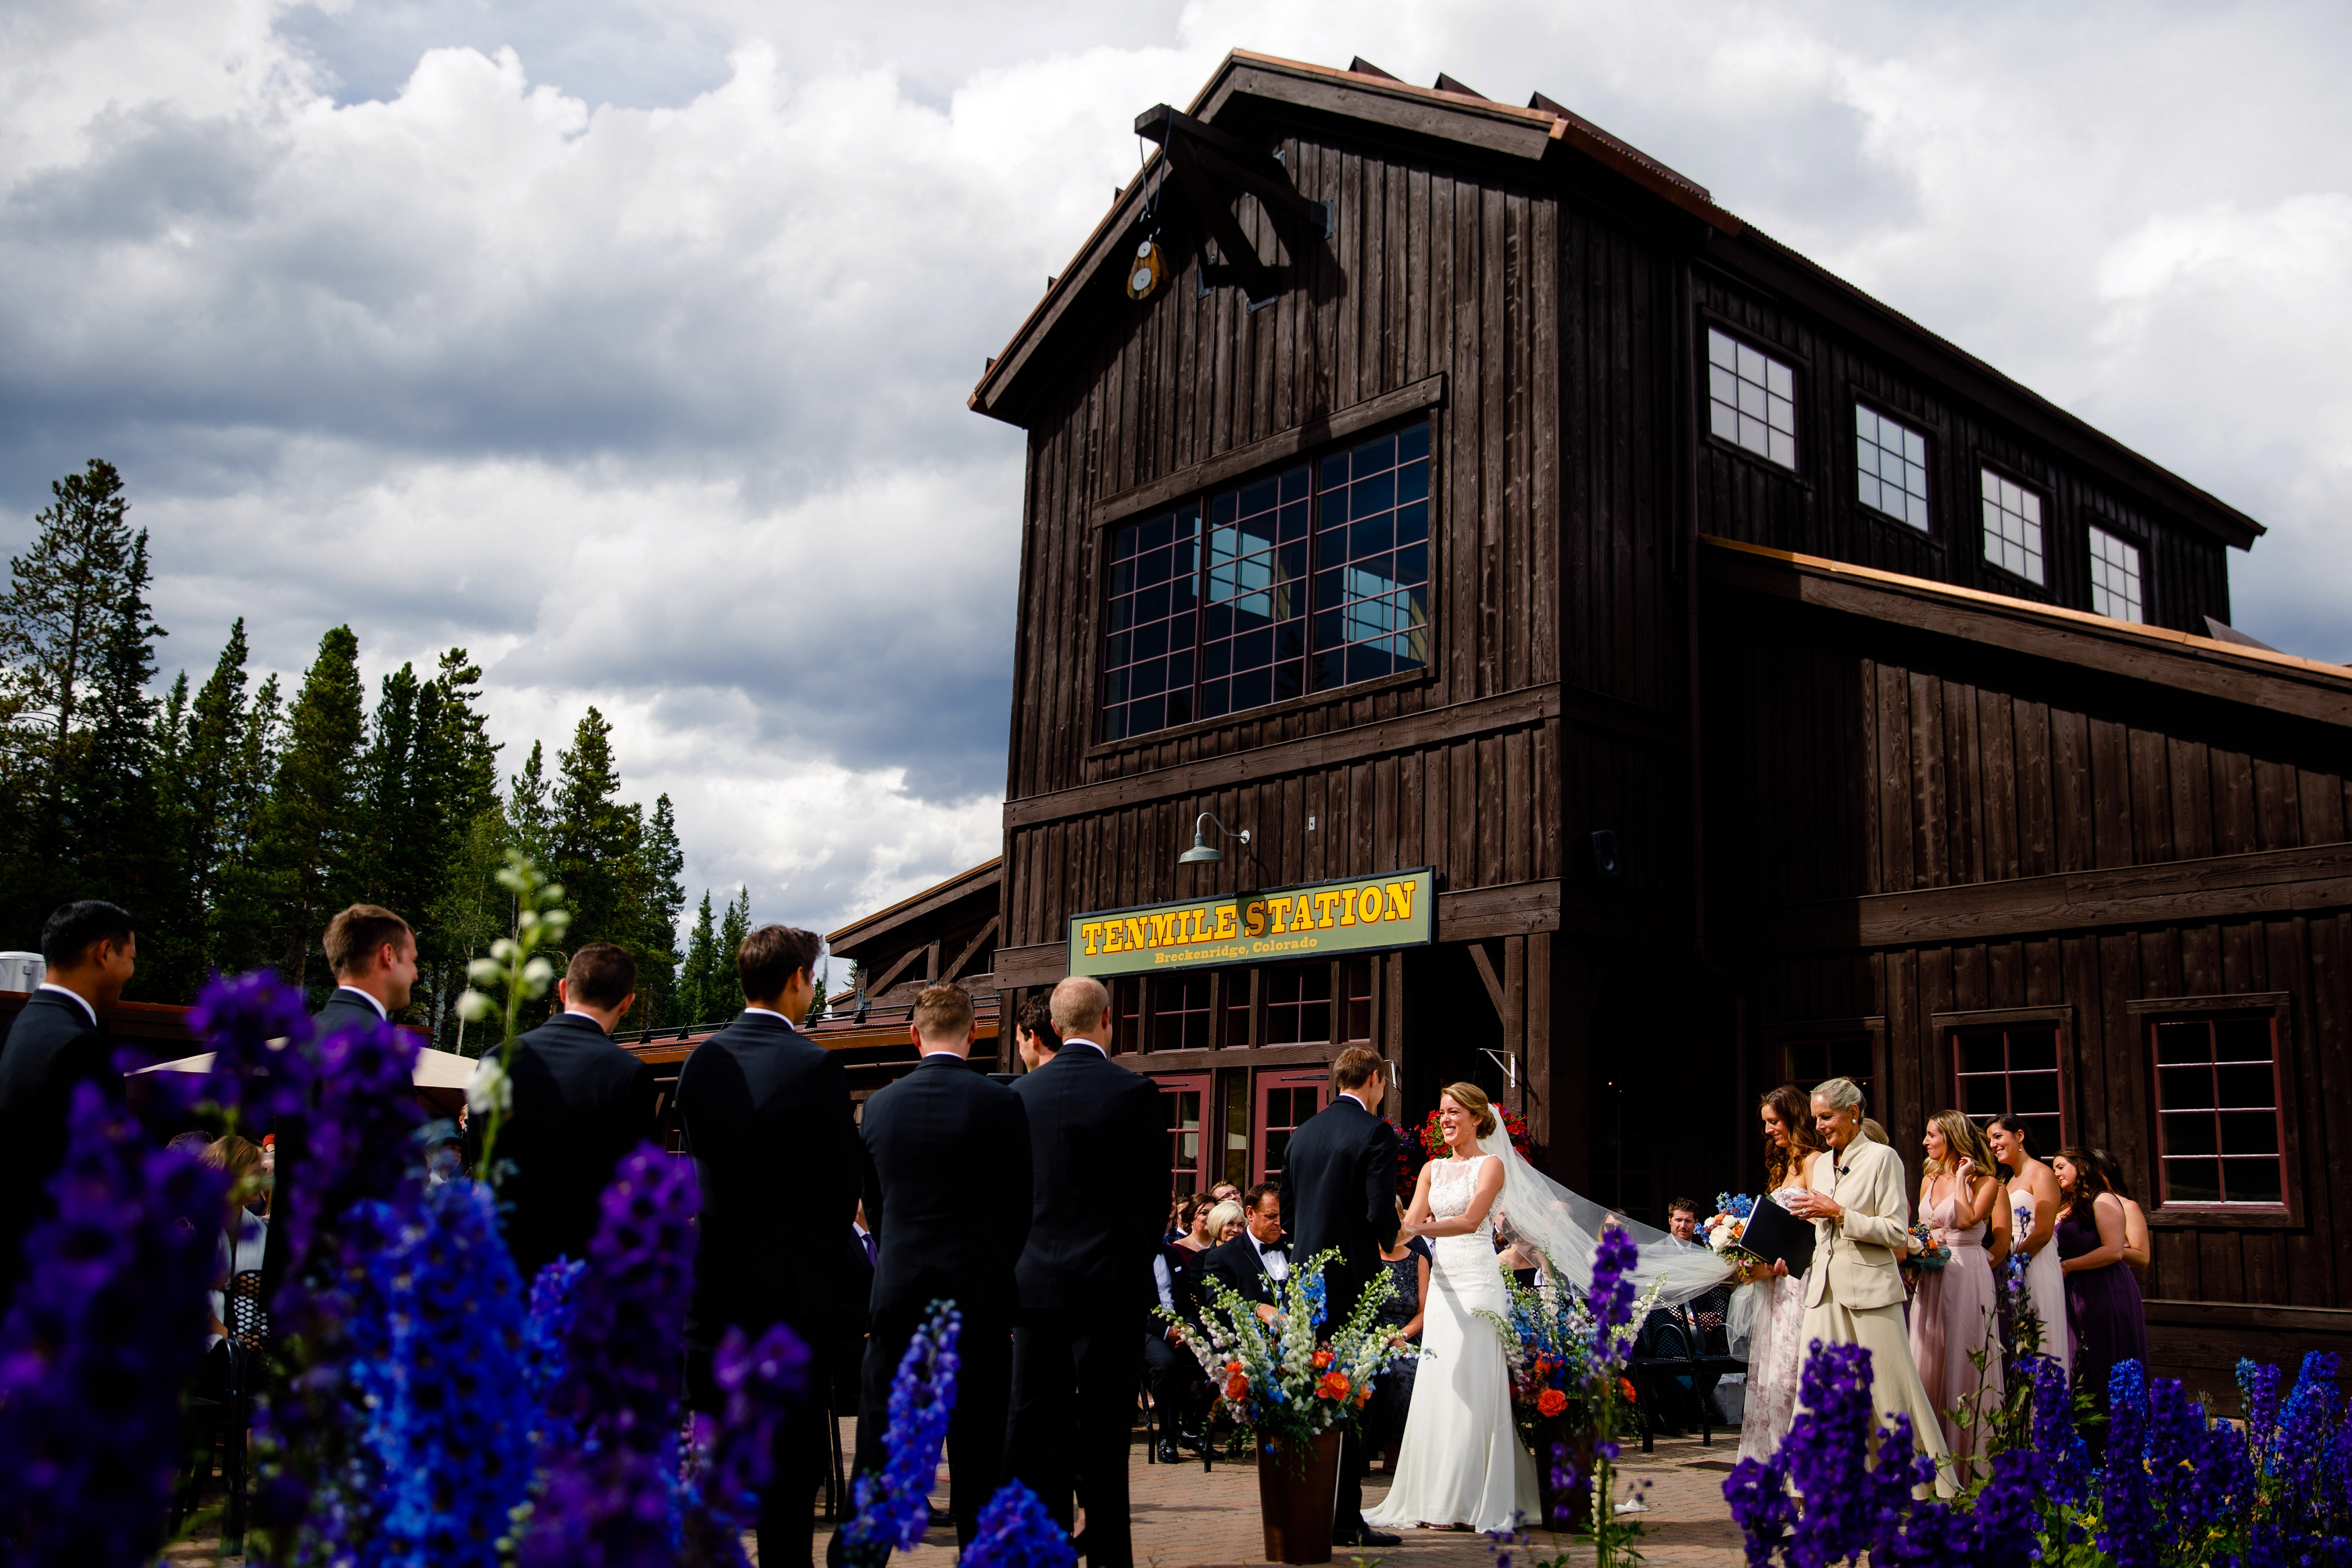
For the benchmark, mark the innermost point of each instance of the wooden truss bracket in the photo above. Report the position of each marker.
(1214, 168)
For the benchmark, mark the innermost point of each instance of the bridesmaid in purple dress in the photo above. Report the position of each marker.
(2105, 1323)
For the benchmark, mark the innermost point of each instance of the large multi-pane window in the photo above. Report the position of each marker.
(2011, 1072)
(2012, 527)
(1752, 399)
(2217, 1109)
(1891, 462)
(2114, 576)
(1810, 1060)
(1308, 579)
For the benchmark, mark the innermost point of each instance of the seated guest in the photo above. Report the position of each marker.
(244, 1234)
(1175, 1377)
(1226, 1192)
(1194, 1217)
(1681, 1226)
(55, 1044)
(1252, 1263)
(581, 1103)
(1224, 1223)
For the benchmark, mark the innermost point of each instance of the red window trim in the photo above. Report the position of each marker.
(2150, 1011)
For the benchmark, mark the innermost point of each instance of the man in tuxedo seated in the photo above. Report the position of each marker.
(929, 1140)
(56, 1044)
(1252, 1263)
(766, 1117)
(581, 1103)
(372, 953)
(1097, 1152)
(1673, 1331)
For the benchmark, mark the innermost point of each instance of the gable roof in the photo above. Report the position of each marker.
(1452, 115)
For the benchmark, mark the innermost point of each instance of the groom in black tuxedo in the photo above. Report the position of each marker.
(1099, 1155)
(942, 1145)
(1338, 1190)
(766, 1115)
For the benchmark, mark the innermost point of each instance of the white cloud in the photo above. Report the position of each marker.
(625, 341)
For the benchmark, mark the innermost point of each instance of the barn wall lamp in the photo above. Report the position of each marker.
(1202, 853)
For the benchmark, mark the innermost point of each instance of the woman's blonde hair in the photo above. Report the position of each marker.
(1473, 1099)
(233, 1155)
(1224, 1214)
(1963, 1140)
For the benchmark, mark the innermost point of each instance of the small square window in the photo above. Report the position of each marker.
(2012, 527)
(2218, 1112)
(2014, 1074)
(1752, 399)
(1891, 467)
(2114, 576)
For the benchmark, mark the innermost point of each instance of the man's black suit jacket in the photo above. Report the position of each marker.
(945, 1148)
(766, 1115)
(1338, 1190)
(1236, 1265)
(581, 1103)
(1099, 1164)
(52, 1046)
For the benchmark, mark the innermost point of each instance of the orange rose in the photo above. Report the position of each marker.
(1550, 1402)
(1332, 1386)
(1238, 1389)
(1322, 1358)
(1235, 1367)
(1626, 1387)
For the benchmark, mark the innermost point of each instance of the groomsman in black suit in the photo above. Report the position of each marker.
(55, 1044)
(1338, 1190)
(1252, 1263)
(766, 1115)
(372, 953)
(1099, 1161)
(942, 1144)
(581, 1104)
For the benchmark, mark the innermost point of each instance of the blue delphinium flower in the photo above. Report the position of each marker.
(106, 1328)
(2006, 1518)
(1565, 1480)
(1015, 1532)
(603, 1506)
(360, 1144)
(547, 1320)
(453, 1426)
(894, 1508)
(260, 1036)
(2258, 1389)
(1762, 1506)
(2306, 1428)
(1610, 1299)
(1827, 1453)
(1738, 1203)
(2126, 1512)
(762, 1382)
(2058, 1449)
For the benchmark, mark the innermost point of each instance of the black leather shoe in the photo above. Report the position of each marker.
(1167, 1455)
(1368, 1536)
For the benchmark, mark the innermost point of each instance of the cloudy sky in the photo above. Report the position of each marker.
(625, 343)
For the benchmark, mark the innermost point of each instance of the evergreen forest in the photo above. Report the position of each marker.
(233, 818)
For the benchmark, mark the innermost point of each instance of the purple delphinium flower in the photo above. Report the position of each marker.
(2258, 1389)
(106, 1328)
(894, 1508)
(1565, 1481)
(763, 1383)
(1763, 1506)
(2127, 1523)
(1610, 1299)
(602, 1507)
(2058, 1449)
(2306, 1427)
(1015, 1532)
(547, 1319)
(453, 1430)
(2006, 1518)
(239, 1016)
(1827, 1452)
(620, 1373)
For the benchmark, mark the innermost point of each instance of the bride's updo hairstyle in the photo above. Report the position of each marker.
(1473, 1099)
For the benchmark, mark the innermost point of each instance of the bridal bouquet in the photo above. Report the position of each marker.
(1728, 1224)
(1926, 1252)
(1281, 1379)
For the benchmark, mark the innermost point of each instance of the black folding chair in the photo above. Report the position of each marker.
(1681, 1350)
(219, 1421)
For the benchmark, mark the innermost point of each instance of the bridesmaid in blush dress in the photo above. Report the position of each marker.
(2105, 1316)
(1955, 1316)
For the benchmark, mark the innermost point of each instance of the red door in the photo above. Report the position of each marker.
(1284, 1101)
(1183, 1104)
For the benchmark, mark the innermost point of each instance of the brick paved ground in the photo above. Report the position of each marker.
(1184, 1519)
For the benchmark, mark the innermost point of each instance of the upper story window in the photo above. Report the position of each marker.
(2114, 576)
(1308, 579)
(2012, 527)
(1891, 460)
(2217, 1109)
(1752, 399)
(2011, 1072)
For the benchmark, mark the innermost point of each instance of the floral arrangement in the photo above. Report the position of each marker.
(1432, 1138)
(1727, 1224)
(1925, 1252)
(1548, 1344)
(2178, 1487)
(1279, 1379)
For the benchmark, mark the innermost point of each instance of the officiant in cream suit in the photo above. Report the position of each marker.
(1861, 1210)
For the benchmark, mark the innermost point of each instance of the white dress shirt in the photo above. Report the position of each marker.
(1275, 1259)
(367, 998)
(79, 1000)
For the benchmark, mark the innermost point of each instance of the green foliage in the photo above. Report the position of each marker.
(727, 998)
(698, 982)
(312, 834)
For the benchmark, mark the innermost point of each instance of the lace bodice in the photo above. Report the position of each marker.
(1451, 1184)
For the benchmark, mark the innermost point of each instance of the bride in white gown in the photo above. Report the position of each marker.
(1461, 1462)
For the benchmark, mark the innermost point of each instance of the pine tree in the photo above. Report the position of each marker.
(591, 840)
(734, 927)
(527, 811)
(109, 785)
(661, 862)
(171, 960)
(241, 919)
(312, 821)
(698, 979)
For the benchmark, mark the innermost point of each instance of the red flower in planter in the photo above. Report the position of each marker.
(1322, 1358)
(1237, 1388)
(1332, 1386)
(1550, 1402)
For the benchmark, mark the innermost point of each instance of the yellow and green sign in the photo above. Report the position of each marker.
(1398, 910)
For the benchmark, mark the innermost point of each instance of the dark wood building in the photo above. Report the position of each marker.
(1767, 689)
